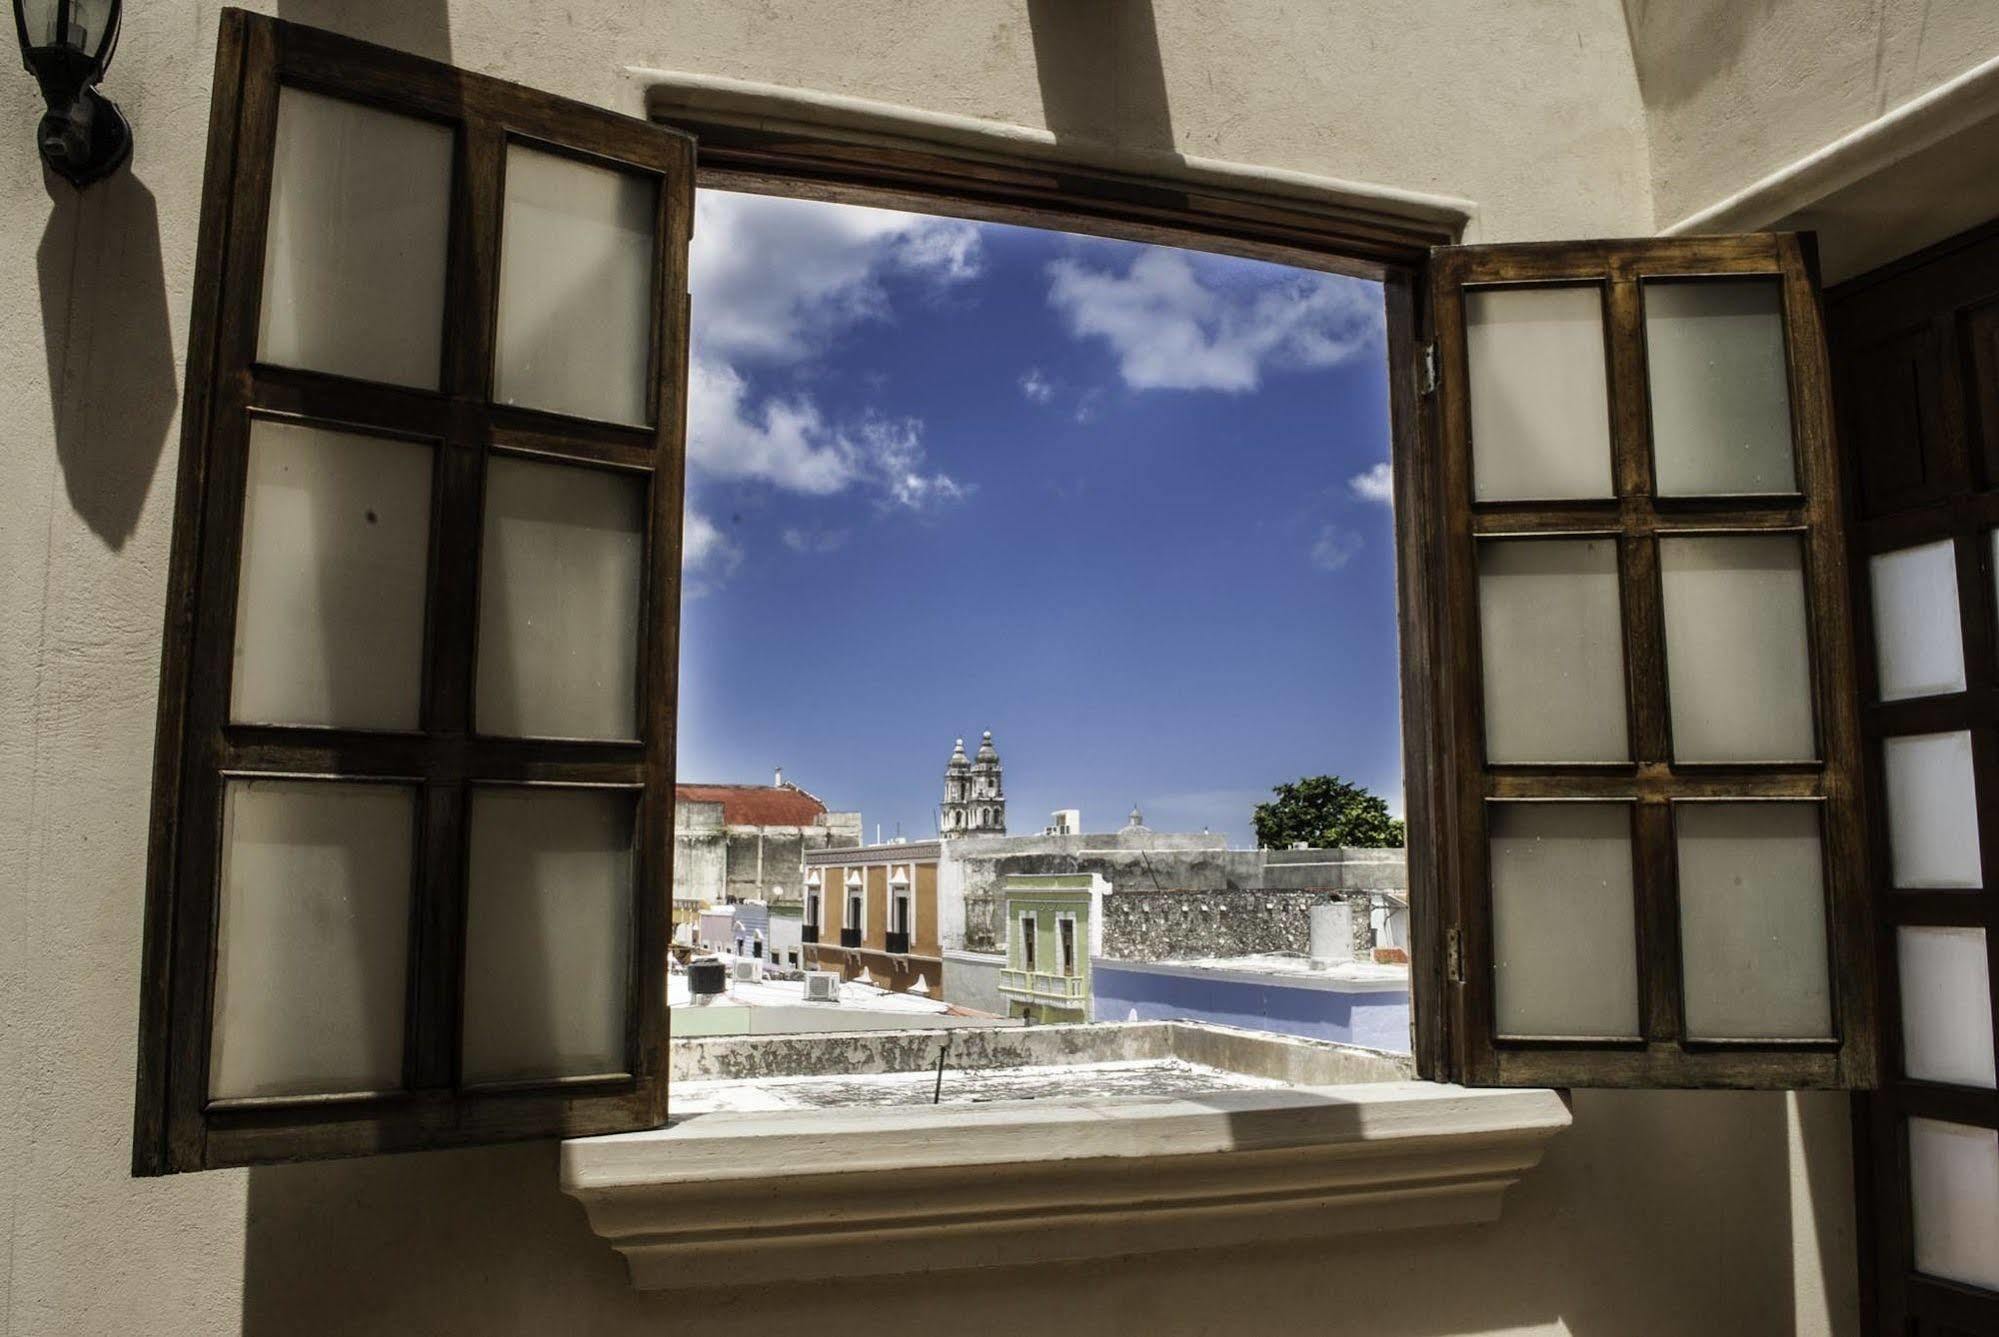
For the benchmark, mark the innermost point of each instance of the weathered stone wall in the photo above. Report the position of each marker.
(1175, 872)
(1179, 925)
(712, 861)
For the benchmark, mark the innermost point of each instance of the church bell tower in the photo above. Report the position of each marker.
(974, 797)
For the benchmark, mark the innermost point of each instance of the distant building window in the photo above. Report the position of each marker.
(1027, 932)
(1065, 937)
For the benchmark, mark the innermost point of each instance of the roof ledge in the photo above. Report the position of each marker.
(724, 1199)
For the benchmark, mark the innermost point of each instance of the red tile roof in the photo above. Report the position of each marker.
(756, 805)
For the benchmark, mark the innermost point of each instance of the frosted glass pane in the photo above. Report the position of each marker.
(576, 289)
(1946, 1005)
(1752, 921)
(1553, 651)
(1721, 397)
(1540, 409)
(548, 933)
(1932, 810)
(354, 255)
(1918, 643)
(559, 601)
(313, 938)
(329, 607)
(1738, 676)
(1563, 924)
(1954, 1185)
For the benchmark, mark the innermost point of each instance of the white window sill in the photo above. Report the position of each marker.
(794, 1195)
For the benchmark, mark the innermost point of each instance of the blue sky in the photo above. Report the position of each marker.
(1123, 505)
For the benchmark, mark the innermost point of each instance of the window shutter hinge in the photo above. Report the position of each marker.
(1454, 955)
(1430, 368)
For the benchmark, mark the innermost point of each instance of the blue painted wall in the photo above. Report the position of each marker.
(1378, 1020)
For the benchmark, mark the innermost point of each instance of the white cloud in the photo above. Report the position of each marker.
(815, 540)
(1334, 547)
(707, 555)
(1377, 484)
(775, 282)
(1037, 387)
(781, 441)
(1221, 326)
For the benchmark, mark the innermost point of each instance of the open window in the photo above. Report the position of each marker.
(1652, 835)
(409, 882)
(414, 765)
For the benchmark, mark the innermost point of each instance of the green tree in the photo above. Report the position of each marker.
(1324, 811)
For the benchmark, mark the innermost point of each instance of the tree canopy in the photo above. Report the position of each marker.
(1324, 811)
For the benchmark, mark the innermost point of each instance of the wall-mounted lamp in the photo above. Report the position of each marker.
(67, 45)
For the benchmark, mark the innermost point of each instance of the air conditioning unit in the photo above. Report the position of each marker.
(822, 986)
(747, 968)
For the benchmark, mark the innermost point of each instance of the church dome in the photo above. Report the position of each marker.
(988, 754)
(958, 761)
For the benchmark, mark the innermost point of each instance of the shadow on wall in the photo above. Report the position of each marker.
(1100, 72)
(1680, 46)
(112, 376)
(420, 27)
(1660, 1214)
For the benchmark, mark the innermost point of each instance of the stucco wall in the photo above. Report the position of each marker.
(1658, 1214)
(1734, 91)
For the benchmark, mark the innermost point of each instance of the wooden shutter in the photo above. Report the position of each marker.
(1916, 366)
(1651, 826)
(409, 876)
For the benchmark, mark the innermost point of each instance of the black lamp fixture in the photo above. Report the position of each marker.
(67, 45)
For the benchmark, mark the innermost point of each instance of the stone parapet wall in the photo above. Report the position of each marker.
(1183, 925)
(1293, 880)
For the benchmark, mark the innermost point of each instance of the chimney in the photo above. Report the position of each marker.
(778, 781)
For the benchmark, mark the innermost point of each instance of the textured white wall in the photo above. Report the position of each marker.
(1733, 91)
(1660, 1213)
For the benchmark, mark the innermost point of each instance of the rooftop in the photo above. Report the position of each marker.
(1290, 968)
(1161, 1077)
(756, 805)
(791, 993)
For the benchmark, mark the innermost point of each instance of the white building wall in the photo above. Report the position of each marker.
(1529, 107)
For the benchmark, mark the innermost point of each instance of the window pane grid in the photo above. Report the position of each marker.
(1933, 754)
(413, 722)
(1796, 761)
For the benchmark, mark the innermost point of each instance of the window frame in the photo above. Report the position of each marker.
(198, 747)
(1652, 782)
(748, 145)
(1155, 199)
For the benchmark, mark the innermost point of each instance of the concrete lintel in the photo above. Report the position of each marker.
(728, 1199)
(669, 93)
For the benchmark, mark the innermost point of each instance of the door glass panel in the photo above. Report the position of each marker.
(1946, 1005)
(1752, 921)
(576, 285)
(330, 602)
(559, 595)
(1563, 919)
(1720, 394)
(1737, 672)
(1540, 410)
(1932, 810)
(313, 938)
(1552, 646)
(1954, 1188)
(355, 249)
(1918, 642)
(548, 933)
